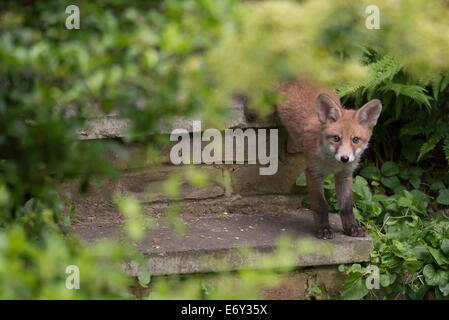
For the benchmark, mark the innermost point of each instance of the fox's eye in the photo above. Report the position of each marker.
(356, 139)
(336, 138)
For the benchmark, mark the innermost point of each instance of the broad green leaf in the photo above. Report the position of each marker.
(405, 174)
(443, 197)
(405, 202)
(315, 289)
(399, 189)
(438, 256)
(390, 182)
(387, 279)
(389, 169)
(361, 188)
(370, 172)
(435, 277)
(416, 172)
(445, 246)
(437, 185)
(415, 182)
(354, 288)
(444, 289)
(144, 278)
(356, 268)
(439, 295)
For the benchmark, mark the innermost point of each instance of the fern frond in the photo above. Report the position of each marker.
(379, 71)
(412, 129)
(446, 149)
(429, 145)
(414, 92)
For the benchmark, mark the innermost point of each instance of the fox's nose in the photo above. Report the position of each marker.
(344, 159)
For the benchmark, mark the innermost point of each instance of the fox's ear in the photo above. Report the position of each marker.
(368, 114)
(328, 110)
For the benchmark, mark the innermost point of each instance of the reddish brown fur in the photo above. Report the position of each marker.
(300, 117)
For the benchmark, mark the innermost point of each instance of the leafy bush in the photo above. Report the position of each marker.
(152, 61)
(410, 233)
(404, 203)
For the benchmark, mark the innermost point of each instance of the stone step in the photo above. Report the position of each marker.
(213, 241)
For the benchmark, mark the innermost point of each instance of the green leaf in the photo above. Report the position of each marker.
(438, 256)
(144, 278)
(415, 182)
(436, 86)
(417, 294)
(361, 188)
(415, 92)
(315, 289)
(356, 268)
(439, 295)
(390, 182)
(301, 180)
(389, 169)
(444, 82)
(354, 288)
(445, 246)
(387, 279)
(437, 185)
(405, 202)
(435, 277)
(370, 172)
(443, 197)
(398, 190)
(444, 289)
(416, 172)
(405, 174)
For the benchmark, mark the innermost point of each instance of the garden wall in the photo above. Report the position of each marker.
(144, 180)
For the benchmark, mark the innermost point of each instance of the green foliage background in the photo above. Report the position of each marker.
(151, 61)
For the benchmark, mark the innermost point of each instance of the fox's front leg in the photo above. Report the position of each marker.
(319, 205)
(343, 187)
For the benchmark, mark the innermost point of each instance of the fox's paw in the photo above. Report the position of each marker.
(325, 233)
(355, 231)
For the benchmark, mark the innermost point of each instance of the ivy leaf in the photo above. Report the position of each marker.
(405, 202)
(362, 189)
(437, 185)
(370, 172)
(416, 172)
(438, 256)
(405, 174)
(415, 182)
(443, 197)
(315, 289)
(387, 279)
(389, 169)
(398, 190)
(356, 268)
(301, 180)
(445, 246)
(144, 278)
(354, 288)
(439, 295)
(435, 277)
(390, 182)
(444, 289)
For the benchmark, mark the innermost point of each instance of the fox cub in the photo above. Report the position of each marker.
(332, 139)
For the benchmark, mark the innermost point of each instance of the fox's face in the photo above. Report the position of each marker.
(346, 133)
